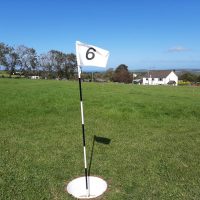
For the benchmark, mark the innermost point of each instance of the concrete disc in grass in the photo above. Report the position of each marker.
(96, 187)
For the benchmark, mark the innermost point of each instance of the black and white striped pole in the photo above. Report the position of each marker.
(87, 187)
(83, 130)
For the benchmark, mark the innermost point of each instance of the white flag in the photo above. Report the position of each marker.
(89, 55)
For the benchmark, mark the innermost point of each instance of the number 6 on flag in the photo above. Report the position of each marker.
(89, 52)
(89, 55)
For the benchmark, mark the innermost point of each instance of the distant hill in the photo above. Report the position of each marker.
(189, 70)
(179, 70)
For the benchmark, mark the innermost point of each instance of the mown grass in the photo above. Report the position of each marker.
(154, 131)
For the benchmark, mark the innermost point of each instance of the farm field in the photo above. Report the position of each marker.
(154, 131)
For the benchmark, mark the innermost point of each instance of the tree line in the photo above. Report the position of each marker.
(27, 62)
(121, 74)
(54, 64)
(190, 77)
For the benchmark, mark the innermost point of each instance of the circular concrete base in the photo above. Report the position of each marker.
(96, 187)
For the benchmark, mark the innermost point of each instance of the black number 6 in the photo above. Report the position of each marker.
(90, 54)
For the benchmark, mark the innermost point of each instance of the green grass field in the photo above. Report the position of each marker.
(154, 151)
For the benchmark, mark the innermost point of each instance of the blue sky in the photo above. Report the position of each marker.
(139, 33)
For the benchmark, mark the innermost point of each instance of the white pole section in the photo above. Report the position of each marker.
(83, 130)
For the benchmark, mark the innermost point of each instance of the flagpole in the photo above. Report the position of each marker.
(83, 130)
(87, 55)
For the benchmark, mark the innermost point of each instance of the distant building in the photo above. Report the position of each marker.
(134, 75)
(35, 77)
(100, 80)
(137, 81)
(162, 77)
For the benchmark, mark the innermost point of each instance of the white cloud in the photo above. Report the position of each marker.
(177, 49)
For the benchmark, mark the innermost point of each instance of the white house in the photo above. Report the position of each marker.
(162, 77)
(35, 77)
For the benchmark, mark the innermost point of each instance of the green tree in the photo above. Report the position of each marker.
(12, 60)
(188, 77)
(58, 60)
(33, 60)
(27, 59)
(63, 64)
(70, 66)
(122, 74)
(4, 50)
(44, 61)
(109, 74)
(198, 78)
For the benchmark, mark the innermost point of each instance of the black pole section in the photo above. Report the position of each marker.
(80, 89)
(83, 133)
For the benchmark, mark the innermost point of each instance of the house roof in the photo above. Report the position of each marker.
(157, 74)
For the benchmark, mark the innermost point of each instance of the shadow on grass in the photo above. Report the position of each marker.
(97, 139)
